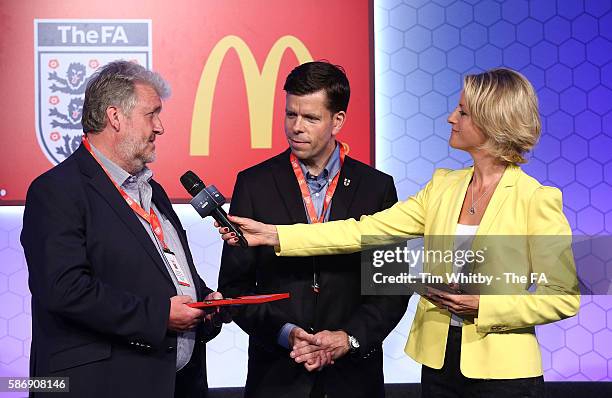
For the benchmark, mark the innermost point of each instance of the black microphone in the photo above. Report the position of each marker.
(208, 201)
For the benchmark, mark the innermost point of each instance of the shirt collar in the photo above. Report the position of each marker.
(331, 168)
(117, 174)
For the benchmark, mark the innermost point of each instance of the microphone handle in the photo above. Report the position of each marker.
(220, 217)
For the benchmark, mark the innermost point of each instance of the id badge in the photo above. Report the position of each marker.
(176, 268)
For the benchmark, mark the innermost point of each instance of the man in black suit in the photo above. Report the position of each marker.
(109, 266)
(326, 305)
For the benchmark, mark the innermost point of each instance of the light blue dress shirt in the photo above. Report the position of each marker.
(138, 188)
(317, 185)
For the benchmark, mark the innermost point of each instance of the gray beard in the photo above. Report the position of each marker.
(130, 151)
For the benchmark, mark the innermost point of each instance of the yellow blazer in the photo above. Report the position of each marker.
(500, 343)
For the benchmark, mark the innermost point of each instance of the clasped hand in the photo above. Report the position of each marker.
(318, 350)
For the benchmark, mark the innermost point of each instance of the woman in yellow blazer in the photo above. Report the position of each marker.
(479, 344)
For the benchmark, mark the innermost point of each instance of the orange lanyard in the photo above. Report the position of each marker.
(299, 174)
(151, 217)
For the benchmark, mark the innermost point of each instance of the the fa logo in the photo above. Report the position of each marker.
(67, 53)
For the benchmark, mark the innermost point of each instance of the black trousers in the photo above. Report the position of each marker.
(448, 382)
(318, 388)
(190, 381)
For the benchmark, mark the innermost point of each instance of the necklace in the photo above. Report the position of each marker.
(472, 209)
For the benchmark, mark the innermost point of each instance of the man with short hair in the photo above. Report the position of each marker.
(312, 181)
(110, 269)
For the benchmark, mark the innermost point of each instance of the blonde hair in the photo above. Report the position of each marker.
(504, 106)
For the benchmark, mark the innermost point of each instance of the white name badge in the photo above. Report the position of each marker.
(176, 268)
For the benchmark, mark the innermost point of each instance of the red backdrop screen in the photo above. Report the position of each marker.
(226, 62)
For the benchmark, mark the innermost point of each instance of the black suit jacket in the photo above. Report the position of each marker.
(100, 290)
(269, 192)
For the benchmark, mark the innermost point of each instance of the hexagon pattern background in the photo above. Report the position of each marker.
(422, 50)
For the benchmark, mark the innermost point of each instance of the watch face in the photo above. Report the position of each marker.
(353, 342)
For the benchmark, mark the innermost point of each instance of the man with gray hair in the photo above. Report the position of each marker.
(110, 270)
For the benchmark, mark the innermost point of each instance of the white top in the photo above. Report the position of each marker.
(466, 230)
(464, 236)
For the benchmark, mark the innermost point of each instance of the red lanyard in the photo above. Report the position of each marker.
(150, 218)
(299, 174)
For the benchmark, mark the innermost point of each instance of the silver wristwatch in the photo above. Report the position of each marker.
(353, 344)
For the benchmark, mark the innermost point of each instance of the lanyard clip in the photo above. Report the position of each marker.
(315, 284)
